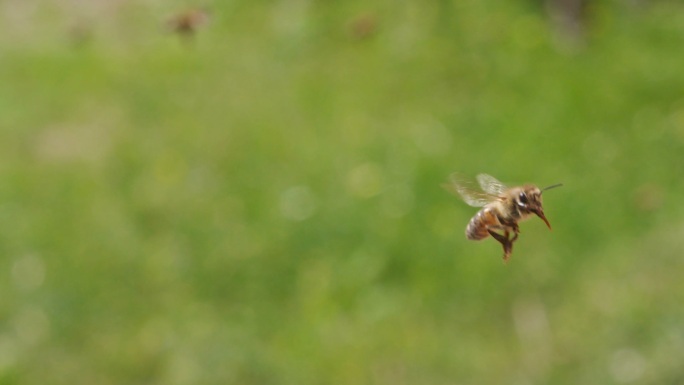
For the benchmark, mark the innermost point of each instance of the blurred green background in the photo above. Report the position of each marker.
(261, 203)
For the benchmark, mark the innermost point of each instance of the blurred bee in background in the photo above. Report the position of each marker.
(363, 26)
(187, 22)
(502, 207)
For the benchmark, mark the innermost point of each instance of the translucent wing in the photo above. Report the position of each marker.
(491, 185)
(468, 191)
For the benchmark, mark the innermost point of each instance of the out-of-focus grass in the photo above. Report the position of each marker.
(262, 205)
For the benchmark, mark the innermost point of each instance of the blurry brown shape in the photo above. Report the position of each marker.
(363, 26)
(80, 34)
(569, 17)
(186, 23)
(648, 197)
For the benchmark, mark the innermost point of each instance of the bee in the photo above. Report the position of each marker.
(187, 22)
(502, 208)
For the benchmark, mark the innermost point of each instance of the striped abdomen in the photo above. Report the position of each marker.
(477, 227)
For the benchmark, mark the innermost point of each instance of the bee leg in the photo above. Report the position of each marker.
(505, 242)
(508, 250)
(508, 247)
(499, 237)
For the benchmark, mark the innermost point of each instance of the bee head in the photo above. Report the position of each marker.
(529, 200)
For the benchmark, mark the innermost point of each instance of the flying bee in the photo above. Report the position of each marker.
(502, 208)
(186, 23)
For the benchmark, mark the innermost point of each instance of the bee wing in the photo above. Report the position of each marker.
(491, 185)
(467, 190)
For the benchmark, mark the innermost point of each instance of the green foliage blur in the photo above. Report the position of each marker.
(261, 202)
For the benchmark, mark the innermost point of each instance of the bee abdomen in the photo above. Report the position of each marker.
(477, 227)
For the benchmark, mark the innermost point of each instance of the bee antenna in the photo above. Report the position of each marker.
(552, 186)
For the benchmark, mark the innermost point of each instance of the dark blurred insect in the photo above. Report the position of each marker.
(502, 208)
(188, 22)
(363, 26)
(570, 19)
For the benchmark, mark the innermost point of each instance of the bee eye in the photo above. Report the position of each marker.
(523, 197)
